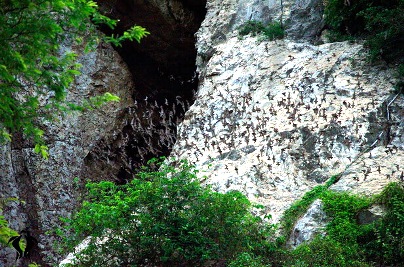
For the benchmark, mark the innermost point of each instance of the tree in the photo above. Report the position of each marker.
(163, 218)
(379, 22)
(34, 74)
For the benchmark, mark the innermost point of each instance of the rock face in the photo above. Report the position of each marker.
(306, 20)
(163, 67)
(106, 144)
(47, 189)
(303, 21)
(273, 119)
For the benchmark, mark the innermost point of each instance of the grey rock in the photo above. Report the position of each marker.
(306, 20)
(370, 215)
(46, 188)
(312, 223)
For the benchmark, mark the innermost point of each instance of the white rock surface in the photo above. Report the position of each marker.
(273, 119)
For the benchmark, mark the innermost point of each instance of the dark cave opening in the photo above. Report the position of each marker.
(163, 66)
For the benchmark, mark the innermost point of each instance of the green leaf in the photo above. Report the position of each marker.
(42, 150)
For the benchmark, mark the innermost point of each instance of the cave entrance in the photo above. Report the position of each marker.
(163, 66)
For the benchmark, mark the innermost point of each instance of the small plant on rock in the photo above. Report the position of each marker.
(271, 31)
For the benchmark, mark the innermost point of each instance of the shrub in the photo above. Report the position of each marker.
(272, 31)
(399, 86)
(385, 243)
(299, 208)
(247, 260)
(380, 22)
(343, 209)
(323, 251)
(164, 218)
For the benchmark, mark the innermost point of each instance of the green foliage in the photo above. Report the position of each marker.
(271, 31)
(34, 73)
(343, 209)
(323, 251)
(298, 208)
(380, 22)
(344, 18)
(5, 231)
(349, 244)
(164, 218)
(399, 87)
(247, 260)
(385, 243)
(159, 221)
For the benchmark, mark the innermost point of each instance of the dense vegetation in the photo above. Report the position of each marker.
(34, 72)
(379, 22)
(350, 243)
(166, 218)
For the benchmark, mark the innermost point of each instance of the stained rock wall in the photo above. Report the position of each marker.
(107, 144)
(48, 189)
(275, 118)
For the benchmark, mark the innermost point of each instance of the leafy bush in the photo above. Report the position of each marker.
(35, 73)
(247, 260)
(399, 86)
(298, 208)
(380, 22)
(385, 243)
(349, 244)
(323, 251)
(272, 31)
(343, 209)
(164, 218)
(344, 18)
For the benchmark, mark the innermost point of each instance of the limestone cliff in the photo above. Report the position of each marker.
(47, 189)
(275, 118)
(270, 118)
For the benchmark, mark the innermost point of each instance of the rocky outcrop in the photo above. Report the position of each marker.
(302, 20)
(275, 118)
(306, 20)
(312, 223)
